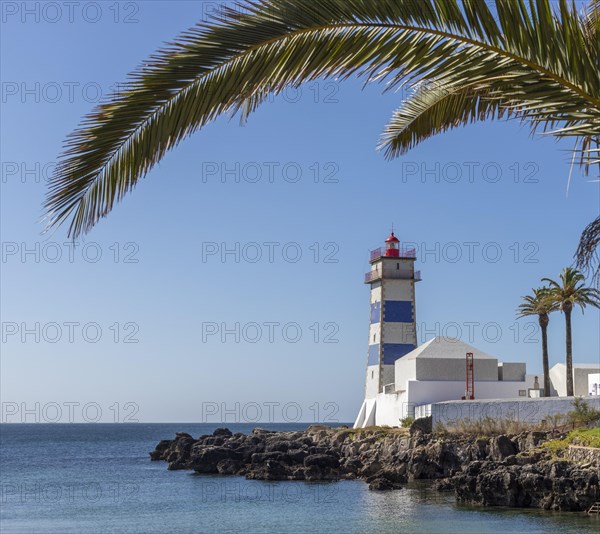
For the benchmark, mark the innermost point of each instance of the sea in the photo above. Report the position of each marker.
(98, 478)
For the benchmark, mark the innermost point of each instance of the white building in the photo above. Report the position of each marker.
(583, 379)
(594, 384)
(401, 377)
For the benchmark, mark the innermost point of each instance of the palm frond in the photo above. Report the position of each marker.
(522, 59)
(571, 290)
(540, 302)
(588, 251)
(436, 107)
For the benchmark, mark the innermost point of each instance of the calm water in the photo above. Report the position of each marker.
(98, 478)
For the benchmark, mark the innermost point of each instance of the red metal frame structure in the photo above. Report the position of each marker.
(470, 375)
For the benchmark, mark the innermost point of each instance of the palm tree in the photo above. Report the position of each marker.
(567, 294)
(465, 61)
(540, 304)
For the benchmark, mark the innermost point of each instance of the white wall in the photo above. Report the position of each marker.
(421, 392)
(375, 294)
(372, 384)
(374, 330)
(391, 409)
(558, 379)
(524, 410)
(594, 384)
(581, 381)
(405, 371)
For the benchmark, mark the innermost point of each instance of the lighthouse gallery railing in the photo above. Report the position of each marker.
(376, 274)
(407, 253)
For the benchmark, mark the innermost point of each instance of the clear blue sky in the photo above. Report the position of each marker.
(491, 185)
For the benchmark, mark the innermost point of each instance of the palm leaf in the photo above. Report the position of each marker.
(520, 59)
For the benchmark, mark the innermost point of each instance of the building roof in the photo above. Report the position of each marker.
(392, 239)
(579, 365)
(446, 347)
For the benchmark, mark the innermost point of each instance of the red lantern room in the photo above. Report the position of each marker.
(392, 246)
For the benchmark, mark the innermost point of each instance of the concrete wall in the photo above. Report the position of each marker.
(594, 384)
(398, 289)
(372, 376)
(374, 333)
(388, 409)
(398, 267)
(372, 383)
(512, 371)
(558, 374)
(524, 410)
(453, 369)
(557, 380)
(581, 381)
(391, 409)
(420, 392)
(405, 371)
(387, 375)
(376, 293)
(399, 333)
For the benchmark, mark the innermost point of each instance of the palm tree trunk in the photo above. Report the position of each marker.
(569, 354)
(545, 364)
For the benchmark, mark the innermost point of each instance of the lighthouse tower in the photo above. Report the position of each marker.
(392, 329)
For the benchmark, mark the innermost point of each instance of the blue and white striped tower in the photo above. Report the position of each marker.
(392, 330)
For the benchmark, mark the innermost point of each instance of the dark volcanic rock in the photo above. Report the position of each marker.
(263, 457)
(383, 484)
(270, 470)
(229, 467)
(491, 471)
(297, 455)
(444, 484)
(208, 458)
(421, 425)
(501, 447)
(161, 448)
(322, 460)
(548, 484)
(225, 432)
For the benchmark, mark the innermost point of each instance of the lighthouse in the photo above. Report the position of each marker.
(392, 327)
(404, 380)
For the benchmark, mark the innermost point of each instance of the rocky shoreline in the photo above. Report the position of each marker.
(504, 470)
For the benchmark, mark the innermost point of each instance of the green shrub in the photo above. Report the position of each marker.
(583, 413)
(407, 421)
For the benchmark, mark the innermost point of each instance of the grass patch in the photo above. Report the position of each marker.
(589, 437)
(586, 437)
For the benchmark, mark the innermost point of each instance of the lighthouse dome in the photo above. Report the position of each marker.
(392, 239)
